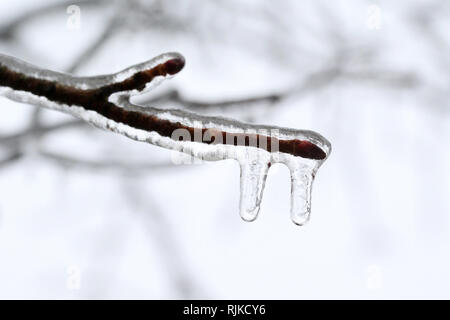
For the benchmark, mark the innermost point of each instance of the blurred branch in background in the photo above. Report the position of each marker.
(9, 29)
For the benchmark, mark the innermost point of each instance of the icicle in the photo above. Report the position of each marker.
(302, 178)
(253, 178)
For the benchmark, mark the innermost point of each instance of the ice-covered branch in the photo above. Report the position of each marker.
(104, 101)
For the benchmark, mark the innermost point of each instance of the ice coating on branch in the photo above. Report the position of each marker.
(255, 147)
(254, 162)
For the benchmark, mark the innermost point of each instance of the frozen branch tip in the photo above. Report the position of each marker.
(104, 101)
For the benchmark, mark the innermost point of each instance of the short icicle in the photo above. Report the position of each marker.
(302, 178)
(254, 169)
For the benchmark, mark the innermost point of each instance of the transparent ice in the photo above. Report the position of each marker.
(254, 162)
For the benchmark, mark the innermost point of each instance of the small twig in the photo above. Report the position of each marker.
(12, 157)
(104, 164)
(15, 139)
(174, 96)
(315, 81)
(384, 77)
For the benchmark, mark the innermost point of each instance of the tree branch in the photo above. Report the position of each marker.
(108, 97)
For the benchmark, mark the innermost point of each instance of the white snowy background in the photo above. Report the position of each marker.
(91, 214)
